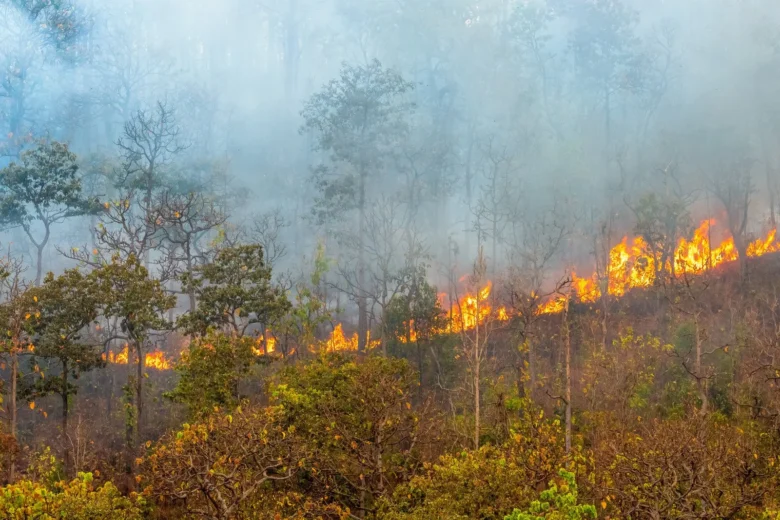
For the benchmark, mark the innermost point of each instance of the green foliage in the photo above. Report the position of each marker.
(309, 310)
(415, 314)
(210, 371)
(556, 503)
(358, 423)
(76, 500)
(233, 293)
(66, 305)
(226, 466)
(44, 187)
(357, 119)
(488, 483)
(129, 294)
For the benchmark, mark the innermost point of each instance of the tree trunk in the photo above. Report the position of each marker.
(191, 292)
(567, 347)
(362, 300)
(13, 409)
(139, 387)
(701, 382)
(39, 265)
(477, 360)
(741, 244)
(65, 439)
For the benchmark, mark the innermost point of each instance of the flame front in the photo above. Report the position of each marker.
(632, 264)
(156, 359)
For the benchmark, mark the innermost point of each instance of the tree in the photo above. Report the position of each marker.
(661, 222)
(297, 330)
(130, 224)
(485, 483)
(413, 319)
(225, 466)
(39, 36)
(66, 306)
(233, 293)
(734, 188)
(556, 503)
(494, 206)
(61, 23)
(184, 221)
(77, 499)
(44, 187)
(605, 51)
(363, 437)
(356, 120)
(17, 309)
(139, 304)
(210, 371)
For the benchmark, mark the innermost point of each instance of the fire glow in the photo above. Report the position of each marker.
(155, 359)
(632, 265)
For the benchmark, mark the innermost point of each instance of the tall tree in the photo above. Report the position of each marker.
(15, 313)
(66, 306)
(357, 120)
(139, 303)
(43, 188)
(604, 48)
(233, 293)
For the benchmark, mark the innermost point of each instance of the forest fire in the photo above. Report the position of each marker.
(155, 360)
(338, 342)
(632, 265)
(471, 309)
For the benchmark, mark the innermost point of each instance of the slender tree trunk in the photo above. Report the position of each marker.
(191, 292)
(701, 382)
(13, 408)
(362, 300)
(567, 347)
(39, 265)
(65, 438)
(741, 244)
(477, 360)
(139, 394)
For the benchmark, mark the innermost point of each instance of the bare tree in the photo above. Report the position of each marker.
(184, 221)
(130, 225)
(733, 187)
(494, 206)
(535, 239)
(266, 229)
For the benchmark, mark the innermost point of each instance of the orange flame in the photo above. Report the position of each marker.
(270, 345)
(632, 265)
(338, 342)
(156, 359)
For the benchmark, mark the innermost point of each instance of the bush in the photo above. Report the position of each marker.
(556, 503)
(75, 500)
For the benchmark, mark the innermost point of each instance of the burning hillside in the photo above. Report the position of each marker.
(631, 265)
